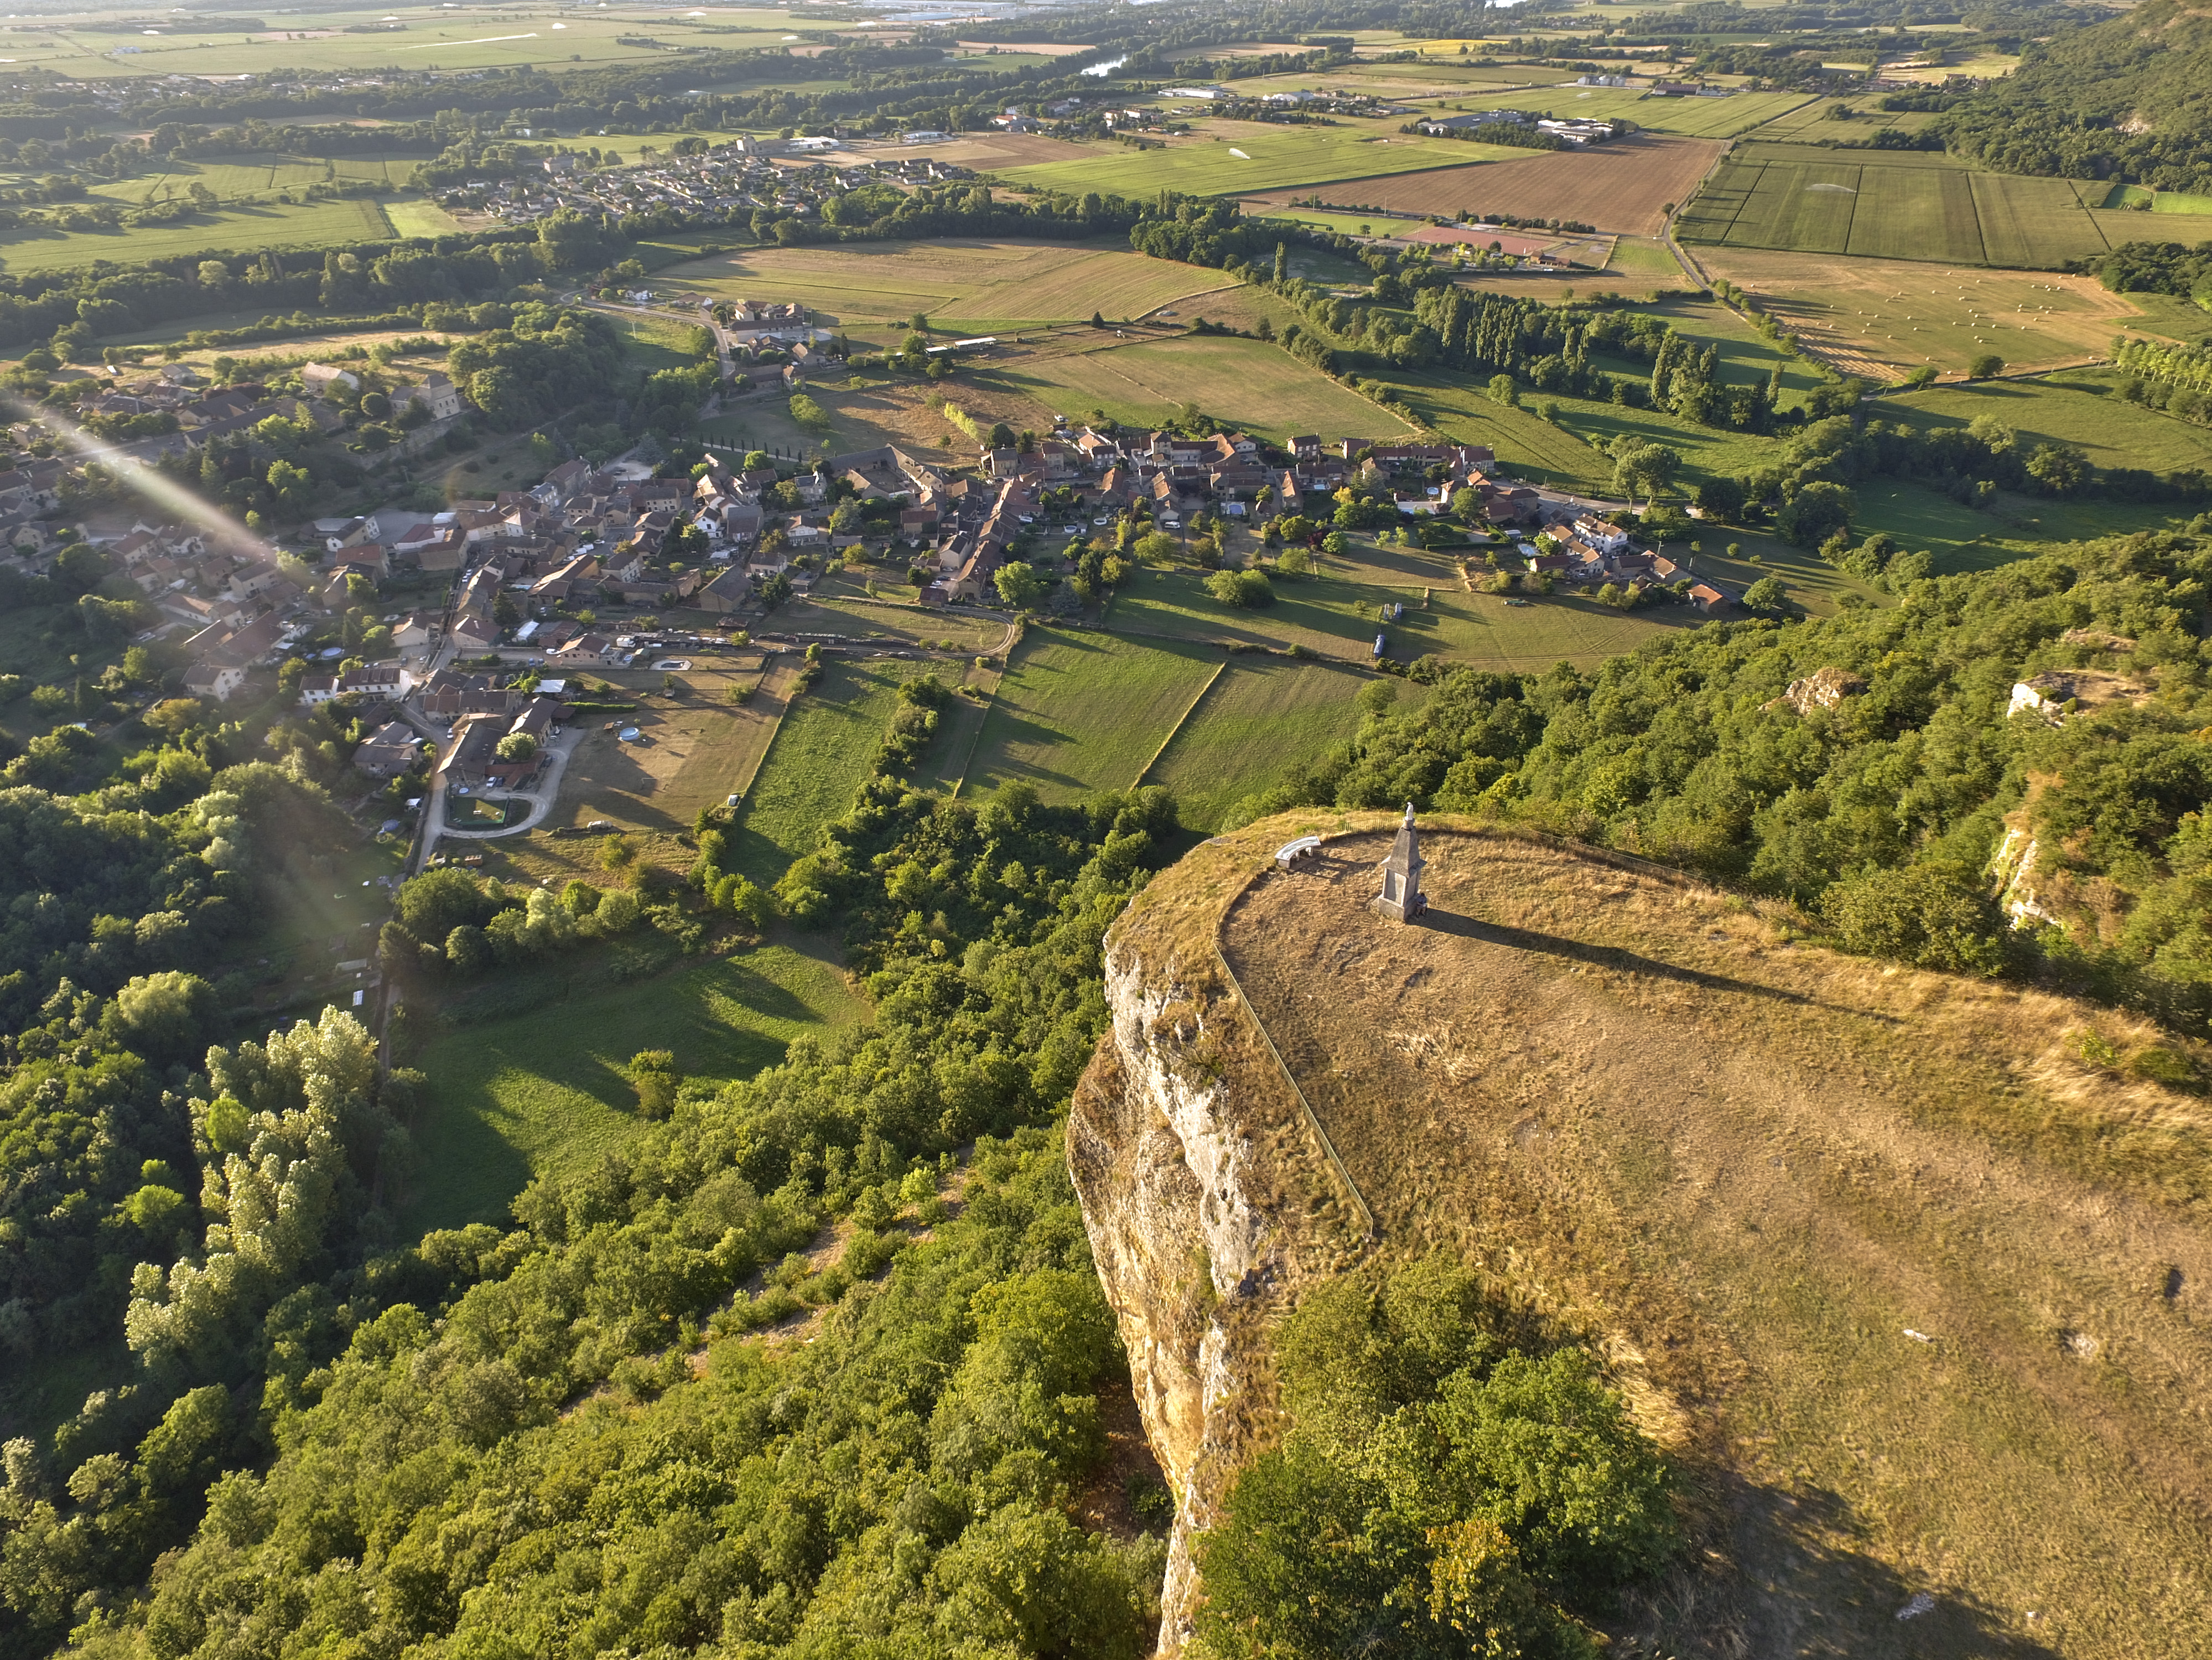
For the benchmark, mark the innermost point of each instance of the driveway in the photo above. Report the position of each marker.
(541, 798)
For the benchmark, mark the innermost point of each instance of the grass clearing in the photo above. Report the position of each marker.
(528, 1074)
(1077, 713)
(1258, 716)
(2081, 407)
(1246, 383)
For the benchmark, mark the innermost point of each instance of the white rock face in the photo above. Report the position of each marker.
(1183, 1250)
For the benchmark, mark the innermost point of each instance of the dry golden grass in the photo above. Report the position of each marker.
(1620, 186)
(1749, 1169)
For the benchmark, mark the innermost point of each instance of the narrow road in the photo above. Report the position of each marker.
(542, 799)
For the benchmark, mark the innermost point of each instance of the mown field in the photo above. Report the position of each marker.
(964, 283)
(1915, 204)
(1274, 158)
(1258, 717)
(1246, 383)
(238, 230)
(1077, 713)
(819, 756)
(528, 1075)
(1881, 317)
(1620, 186)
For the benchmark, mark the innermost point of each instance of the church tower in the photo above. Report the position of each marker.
(1401, 898)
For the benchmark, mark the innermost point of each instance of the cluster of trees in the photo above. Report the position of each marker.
(451, 921)
(551, 361)
(905, 1476)
(1882, 814)
(2157, 267)
(1447, 1484)
(117, 902)
(379, 279)
(2175, 378)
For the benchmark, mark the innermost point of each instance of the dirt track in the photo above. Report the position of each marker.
(1755, 1165)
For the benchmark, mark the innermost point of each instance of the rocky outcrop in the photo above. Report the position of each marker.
(1178, 1157)
(2056, 694)
(1823, 688)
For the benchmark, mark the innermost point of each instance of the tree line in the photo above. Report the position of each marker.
(1879, 816)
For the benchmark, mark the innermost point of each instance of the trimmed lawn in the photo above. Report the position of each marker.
(1256, 719)
(530, 1079)
(1081, 712)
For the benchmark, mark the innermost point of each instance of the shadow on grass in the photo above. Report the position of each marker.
(1809, 1594)
(1616, 957)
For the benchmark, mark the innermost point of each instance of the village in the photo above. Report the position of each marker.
(524, 574)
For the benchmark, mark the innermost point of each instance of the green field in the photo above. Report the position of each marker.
(1911, 204)
(529, 1077)
(1247, 383)
(2080, 407)
(821, 755)
(229, 229)
(1274, 159)
(1260, 715)
(1335, 615)
(1079, 713)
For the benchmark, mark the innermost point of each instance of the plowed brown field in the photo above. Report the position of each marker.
(1622, 186)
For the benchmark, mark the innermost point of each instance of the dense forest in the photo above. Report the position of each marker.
(2130, 99)
(559, 1430)
(1881, 816)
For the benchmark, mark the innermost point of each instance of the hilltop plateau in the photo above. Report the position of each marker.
(1914, 1296)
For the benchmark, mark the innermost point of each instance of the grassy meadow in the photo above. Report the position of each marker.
(1685, 117)
(528, 1072)
(819, 756)
(482, 37)
(1272, 158)
(1259, 715)
(235, 229)
(2080, 407)
(1081, 712)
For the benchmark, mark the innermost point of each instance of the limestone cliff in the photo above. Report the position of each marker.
(1805, 1207)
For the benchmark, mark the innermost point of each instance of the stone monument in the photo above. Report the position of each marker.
(1401, 898)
